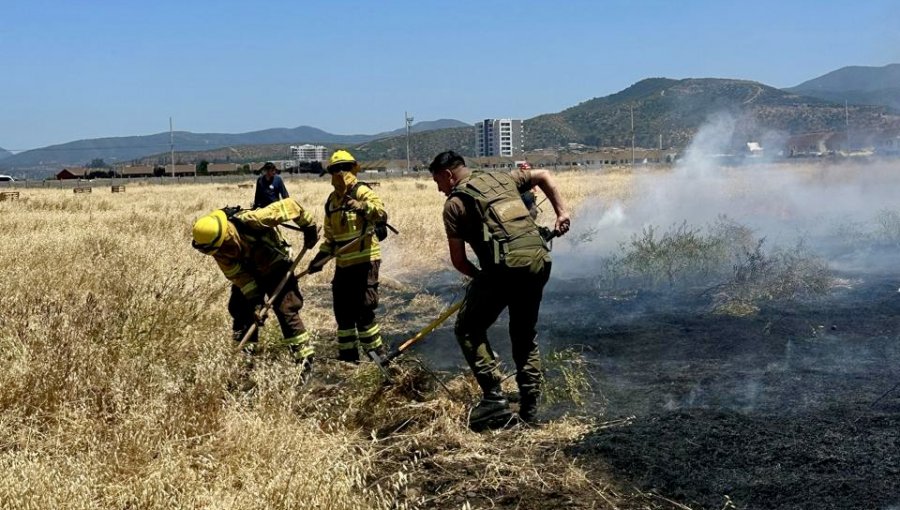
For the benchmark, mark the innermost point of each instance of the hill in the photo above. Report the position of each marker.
(4, 153)
(120, 149)
(672, 109)
(856, 85)
(665, 111)
(675, 109)
(428, 125)
(423, 145)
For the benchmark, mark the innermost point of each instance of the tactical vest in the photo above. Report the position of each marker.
(510, 237)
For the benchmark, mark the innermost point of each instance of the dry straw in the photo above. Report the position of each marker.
(119, 388)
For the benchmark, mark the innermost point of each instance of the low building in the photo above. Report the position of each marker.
(888, 143)
(280, 164)
(491, 162)
(383, 165)
(589, 160)
(815, 144)
(72, 173)
(131, 172)
(221, 169)
(182, 170)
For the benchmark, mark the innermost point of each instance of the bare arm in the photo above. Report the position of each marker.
(544, 180)
(459, 259)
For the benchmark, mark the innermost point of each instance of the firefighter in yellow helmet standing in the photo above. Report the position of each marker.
(254, 257)
(352, 210)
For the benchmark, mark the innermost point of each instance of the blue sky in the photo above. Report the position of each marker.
(80, 69)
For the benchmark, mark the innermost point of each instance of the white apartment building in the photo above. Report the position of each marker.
(308, 153)
(499, 137)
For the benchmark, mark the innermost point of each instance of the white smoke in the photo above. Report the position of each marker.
(784, 202)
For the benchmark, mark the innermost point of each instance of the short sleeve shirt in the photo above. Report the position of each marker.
(460, 223)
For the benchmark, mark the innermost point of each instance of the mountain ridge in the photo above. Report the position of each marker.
(861, 78)
(666, 112)
(126, 148)
(860, 85)
(675, 109)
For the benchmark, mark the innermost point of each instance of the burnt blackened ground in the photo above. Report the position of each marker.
(772, 411)
(814, 460)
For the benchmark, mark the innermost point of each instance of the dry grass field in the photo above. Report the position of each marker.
(713, 338)
(120, 389)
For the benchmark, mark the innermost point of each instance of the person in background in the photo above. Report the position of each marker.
(485, 211)
(269, 187)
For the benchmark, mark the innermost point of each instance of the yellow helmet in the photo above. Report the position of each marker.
(342, 156)
(209, 231)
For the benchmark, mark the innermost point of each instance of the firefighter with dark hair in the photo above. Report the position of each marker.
(485, 210)
(353, 212)
(254, 257)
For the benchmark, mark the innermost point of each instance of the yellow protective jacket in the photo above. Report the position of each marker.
(342, 226)
(253, 247)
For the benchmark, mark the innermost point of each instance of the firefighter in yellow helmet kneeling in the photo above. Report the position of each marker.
(254, 257)
(351, 212)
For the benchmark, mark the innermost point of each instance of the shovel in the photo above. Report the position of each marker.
(382, 362)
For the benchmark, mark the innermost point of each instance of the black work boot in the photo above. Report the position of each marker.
(491, 412)
(348, 355)
(528, 410)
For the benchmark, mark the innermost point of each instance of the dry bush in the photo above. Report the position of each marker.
(784, 274)
(120, 387)
(682, 256)
(887, 229)
(725, 259)
(567, 378)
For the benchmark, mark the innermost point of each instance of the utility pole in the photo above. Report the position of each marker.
(172, 145)
(847, 123)
(632, 135)
(409, 121)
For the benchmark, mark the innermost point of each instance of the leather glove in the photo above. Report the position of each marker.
(310, 236)
(355, 205)
(317, 263)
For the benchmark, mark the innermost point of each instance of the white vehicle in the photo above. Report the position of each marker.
(6, 178)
